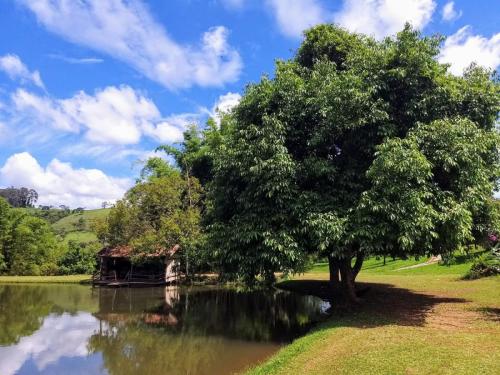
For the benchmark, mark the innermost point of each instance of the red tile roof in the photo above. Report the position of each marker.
(126, 251)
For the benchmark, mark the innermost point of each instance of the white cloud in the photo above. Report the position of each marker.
(381, 18)
(293, 17)
(378, 18)
(59, 183)
(463, 48)
(59, 336)
(114, 115)
(127, 31)
(171, 129)
(109, 125)
(449, 13)
(225, 104)
(77, 60)
(15, 69)
(44, 109)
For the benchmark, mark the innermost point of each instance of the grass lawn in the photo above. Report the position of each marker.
(424, 320)
(70, 222)
(69, 225)
(80, 236)
(73, 279)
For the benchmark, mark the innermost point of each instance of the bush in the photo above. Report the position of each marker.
(81, 258)
(485, 265)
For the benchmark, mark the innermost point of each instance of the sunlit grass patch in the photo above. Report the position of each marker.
(420, 321)
(45, 279)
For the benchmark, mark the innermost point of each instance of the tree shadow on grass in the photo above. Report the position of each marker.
(382, 304)
(490, 313)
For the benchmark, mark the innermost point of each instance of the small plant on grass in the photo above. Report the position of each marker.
(485, 265)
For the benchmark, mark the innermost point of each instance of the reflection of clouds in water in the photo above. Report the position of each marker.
(60, 336)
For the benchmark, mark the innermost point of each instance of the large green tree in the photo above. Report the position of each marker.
(354, 147)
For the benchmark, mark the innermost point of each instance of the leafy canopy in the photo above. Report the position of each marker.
(159, 212)
(353, 147)
(28, 245)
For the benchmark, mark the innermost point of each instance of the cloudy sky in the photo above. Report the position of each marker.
(89, 88)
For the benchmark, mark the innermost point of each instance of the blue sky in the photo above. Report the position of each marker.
(89, 88)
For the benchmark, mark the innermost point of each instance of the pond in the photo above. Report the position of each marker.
(76, 329)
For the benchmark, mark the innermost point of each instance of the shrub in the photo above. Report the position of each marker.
(485, 265)
(80, 258)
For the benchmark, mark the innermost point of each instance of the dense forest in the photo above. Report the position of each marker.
(354, 148)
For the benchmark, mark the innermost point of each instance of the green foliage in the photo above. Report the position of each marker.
(52, 215)
(160, 212)
(33, 248)
(79, 259)
(156, 167)
(167, 220)
(19, 197)
(485, 265)
(194, 155)
(354, 147)
(27, 244)
(4, 232)
(428, 187)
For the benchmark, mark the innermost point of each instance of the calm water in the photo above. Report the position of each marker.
(74, 329)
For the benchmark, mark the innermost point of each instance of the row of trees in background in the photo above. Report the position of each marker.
(19, 197)
(29, 246)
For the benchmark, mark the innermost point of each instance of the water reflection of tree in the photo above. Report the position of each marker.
(191, 331)
(276, 316)
(256, 316)
(21, 312)
(24, 307)
(136, 347)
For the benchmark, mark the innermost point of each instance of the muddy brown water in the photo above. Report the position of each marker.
(75, 329)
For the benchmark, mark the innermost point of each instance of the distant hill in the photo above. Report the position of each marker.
(77, 226)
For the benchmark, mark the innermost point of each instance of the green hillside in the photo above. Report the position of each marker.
(77, 226)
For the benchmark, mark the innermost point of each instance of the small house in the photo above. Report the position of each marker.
(116, 267)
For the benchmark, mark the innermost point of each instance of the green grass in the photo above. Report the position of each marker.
(424, 320)
(70, 227)
(393, 267)
(80, 236)
(69, 279)
(70, 223)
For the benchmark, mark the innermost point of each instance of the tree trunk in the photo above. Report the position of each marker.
(357, 265)
(348, 277)
(333, 266)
